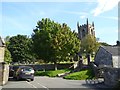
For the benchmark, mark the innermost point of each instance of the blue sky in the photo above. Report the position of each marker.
(21, 17)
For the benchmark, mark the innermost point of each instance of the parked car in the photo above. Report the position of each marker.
(24, 72)
(12, 69)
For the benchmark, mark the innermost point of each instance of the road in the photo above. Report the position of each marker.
(46, 83)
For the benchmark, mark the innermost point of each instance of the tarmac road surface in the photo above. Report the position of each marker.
(46, 83)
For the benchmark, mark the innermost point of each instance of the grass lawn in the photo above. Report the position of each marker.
(81, 75)
(51, 73)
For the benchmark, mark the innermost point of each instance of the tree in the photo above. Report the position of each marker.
(104, 44)
(20, 48)
(7, 56)
(7, 38)
(54, 42)
(118, 43)
(89, 45)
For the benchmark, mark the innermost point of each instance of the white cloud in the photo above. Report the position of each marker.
(104, 5)
(110, 17)
(83, 16)
(35, 13)
(74, 12)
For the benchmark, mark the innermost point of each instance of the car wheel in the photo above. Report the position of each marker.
(32, 79)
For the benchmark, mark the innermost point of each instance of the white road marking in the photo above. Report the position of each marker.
(0, 87)
(31, 84)
(43, 86)
(37, 83)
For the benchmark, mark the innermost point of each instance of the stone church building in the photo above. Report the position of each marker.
(85, 29)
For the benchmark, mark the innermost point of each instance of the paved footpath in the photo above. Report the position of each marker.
(46, 83)
(0, 87)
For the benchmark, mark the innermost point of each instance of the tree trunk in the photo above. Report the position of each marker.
(88, 58)
(55, 65)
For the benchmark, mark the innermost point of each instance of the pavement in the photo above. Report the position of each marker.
(47, 83)
(0, 87)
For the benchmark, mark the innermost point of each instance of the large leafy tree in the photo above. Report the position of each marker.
(54, 42)
(7, 56)
(104, 44)
(20, 48)
(89, 44)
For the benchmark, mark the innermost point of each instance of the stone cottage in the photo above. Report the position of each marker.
(108, 56)
(4, 68)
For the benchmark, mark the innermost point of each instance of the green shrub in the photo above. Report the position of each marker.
(50, 73)
(81, 75)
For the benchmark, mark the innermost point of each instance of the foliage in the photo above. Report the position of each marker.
(54, 42)
(20, 48)
(89, 44)
(104, 44)
(7, 56)
(50, 73)
(7, 38)
(81, 75)
(118, 43)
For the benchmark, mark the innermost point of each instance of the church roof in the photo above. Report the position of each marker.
(114, 50)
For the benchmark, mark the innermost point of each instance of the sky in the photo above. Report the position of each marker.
(21, 17)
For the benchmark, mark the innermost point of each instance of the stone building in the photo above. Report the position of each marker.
(107, 59)
(2, 49)
(85, 29)
(108, 56)
(4, 68)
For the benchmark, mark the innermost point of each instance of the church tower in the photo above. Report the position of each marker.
(85, 29)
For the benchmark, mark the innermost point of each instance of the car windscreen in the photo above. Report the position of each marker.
(27, 69)
(15, 68)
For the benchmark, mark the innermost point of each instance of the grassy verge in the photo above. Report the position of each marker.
(82, 75)
(51, 73)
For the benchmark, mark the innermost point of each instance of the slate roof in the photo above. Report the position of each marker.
(2, 43)
(114, 50)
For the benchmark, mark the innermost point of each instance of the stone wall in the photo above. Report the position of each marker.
(1, 73)
(2, 49)
(4, 68)
(49, 66)
(103, 58)
(111, 76)
(4, 73)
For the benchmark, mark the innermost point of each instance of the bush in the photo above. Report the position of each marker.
(81, 75)
(50, 73)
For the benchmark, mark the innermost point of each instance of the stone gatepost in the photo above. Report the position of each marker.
(4, 73)
(4, 68)
(2, 50)
(111, 76)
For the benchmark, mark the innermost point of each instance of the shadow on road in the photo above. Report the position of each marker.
(12, 79)
(95, 84)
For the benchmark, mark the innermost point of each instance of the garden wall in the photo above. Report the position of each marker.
(49, 66)
(111, 76)
(4, 73)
